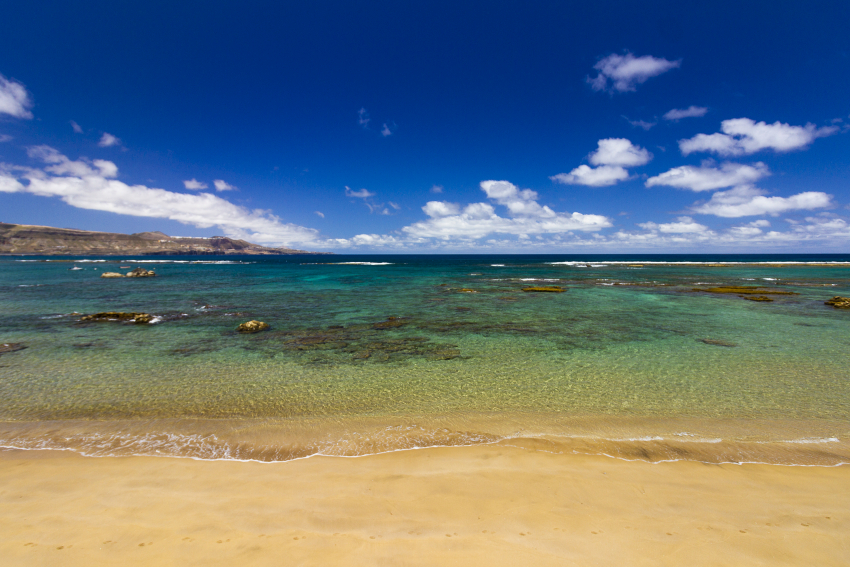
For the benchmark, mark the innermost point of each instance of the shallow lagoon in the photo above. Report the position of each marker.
(376, 353)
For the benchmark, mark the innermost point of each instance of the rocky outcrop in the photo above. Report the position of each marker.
(118, 316)
(544, 289)
(141, 273)
(111, 275)
(252, 327)
(756, 297)
(718, 342)
(839, 302)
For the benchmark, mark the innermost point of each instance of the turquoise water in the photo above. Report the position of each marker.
(378, 353)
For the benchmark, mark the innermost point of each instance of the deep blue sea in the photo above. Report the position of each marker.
(635, 358)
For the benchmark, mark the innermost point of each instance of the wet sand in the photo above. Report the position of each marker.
(483, 505)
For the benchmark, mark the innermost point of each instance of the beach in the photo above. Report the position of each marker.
(484, 505)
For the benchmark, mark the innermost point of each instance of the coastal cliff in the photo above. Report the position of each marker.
(31, 239)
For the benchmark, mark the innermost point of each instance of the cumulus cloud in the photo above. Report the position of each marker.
(626, 71)
(386, 131)
(683, 225)
(477, 220)
(619, 151)
(76, 127)
(320, 213)
(361, 194)
(742, 136)
(708, 178)
(92, 185)
(363, 118)
(222, 185)
(602, 176)
(194, 184)
(108, 140)
(690, 112)
(14, 99)
(612, 156)
(436, 189)
(747, 200)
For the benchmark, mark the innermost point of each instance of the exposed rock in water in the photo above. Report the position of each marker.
(756, 297)
(744, 290)
(11, 347)
(118, 316)
(718, 342)
(838, 302)
(467, 290)
(390, 323)
(252, 327)
(545, 288)
(111, 275)
(141, 273)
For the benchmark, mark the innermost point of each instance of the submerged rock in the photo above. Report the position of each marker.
(718, 342)
(11, 347)
(838, 302)
(756, 297)
(545, 288)
(252, 327)
(390, 323)
(111, 275)
(744, 290)
(118, 316)
(141, 273)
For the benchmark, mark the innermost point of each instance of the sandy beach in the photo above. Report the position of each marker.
(483, 505)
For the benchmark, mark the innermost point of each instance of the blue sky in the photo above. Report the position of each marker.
(435, 127)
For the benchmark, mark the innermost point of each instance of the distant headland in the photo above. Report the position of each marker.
(22, 239)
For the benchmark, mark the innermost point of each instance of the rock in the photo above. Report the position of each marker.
(111, 275)
(545, 288)
(744, 290)
(634, 265)
(390, 323)
(718, 342)
(11, 347)
(141, 273)
(839, 302)
(252, 327)
(756, 297)
(118, 316)
(467, 290)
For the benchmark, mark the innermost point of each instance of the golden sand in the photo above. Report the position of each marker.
(484, 505)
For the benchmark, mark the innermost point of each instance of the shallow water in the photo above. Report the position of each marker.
(377, 353)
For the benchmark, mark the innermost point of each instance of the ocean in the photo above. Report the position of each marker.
(636, 358)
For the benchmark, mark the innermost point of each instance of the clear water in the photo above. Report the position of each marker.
(377, 353)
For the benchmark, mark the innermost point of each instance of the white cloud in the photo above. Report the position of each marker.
(747, 200)
(76, 127)
(750, 229)
(385, 130)
(363, 118)
(477, 220)
(683, 225)
(627, 71)
(361, 194)
(320, 213)
(5, 138)
(436, 189)
(602, 176)
(92, 186)
(222, 185)
(708, 178)
(14, 99)
(690, 112)
(742, 136)
(619, 151)
(641, 124)
(194, 184)
(108, 140)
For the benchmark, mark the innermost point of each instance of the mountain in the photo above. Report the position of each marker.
(26, 239)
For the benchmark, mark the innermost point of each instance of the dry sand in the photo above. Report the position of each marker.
(484, 505)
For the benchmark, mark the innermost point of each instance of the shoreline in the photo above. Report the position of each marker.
(478, 505)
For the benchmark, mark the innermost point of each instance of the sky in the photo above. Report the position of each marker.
(433, 127)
